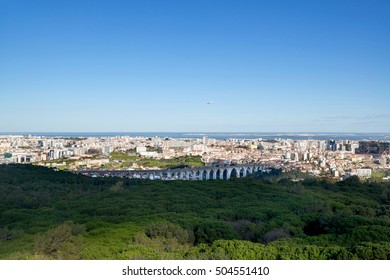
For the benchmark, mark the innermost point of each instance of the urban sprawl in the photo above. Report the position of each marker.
(337, 158)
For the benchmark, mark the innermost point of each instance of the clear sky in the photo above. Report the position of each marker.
(142, 65)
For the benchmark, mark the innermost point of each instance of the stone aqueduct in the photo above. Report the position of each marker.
(202, 173)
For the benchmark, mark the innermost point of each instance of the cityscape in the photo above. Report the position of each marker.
(199, 136)
(339, 159)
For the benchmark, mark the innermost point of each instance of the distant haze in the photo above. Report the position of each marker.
(215, 135)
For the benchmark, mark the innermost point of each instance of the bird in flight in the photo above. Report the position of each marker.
(209, 102)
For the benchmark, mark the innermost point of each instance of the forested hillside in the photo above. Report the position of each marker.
(58, 215)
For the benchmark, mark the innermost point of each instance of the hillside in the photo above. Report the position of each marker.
(59, 215)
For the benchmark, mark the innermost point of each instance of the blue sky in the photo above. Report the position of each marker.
(141, 65)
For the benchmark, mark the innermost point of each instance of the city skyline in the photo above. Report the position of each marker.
(195, 66)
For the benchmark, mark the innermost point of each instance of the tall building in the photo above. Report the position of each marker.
(373, 147)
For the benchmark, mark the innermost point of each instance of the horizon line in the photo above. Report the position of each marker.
(203, 132)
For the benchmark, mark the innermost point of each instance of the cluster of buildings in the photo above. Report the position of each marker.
(338, 158)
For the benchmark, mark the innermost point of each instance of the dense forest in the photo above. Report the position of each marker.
(47, 214)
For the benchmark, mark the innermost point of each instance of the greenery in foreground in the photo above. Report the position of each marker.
(58, 215)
